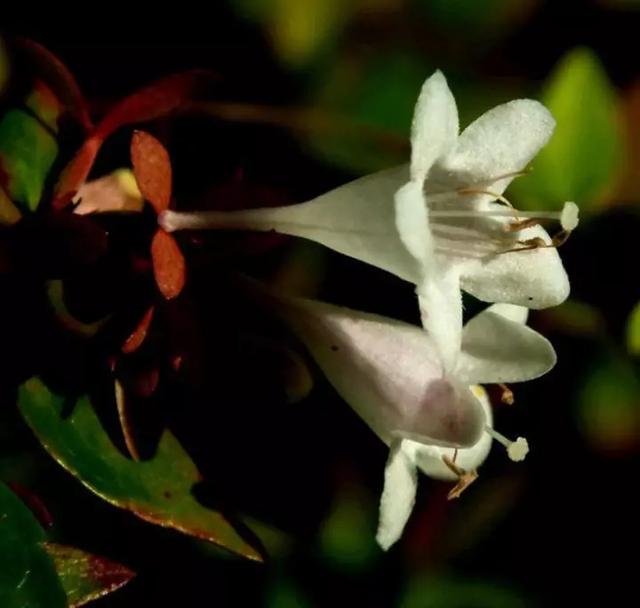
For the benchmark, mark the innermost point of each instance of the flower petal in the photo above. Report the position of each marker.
(440, 304)
(357, 219)
(502, 141)
(498, 350)
(412, 223)
(517, 314)
(435, 125)
(535, 278)
(428, 458)
(399, 493)
(389, 372)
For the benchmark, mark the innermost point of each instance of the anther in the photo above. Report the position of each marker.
(507, 395)
(517, 450)
(568, 217)
(465, 478)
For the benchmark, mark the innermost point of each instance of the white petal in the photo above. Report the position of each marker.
(412, 223)
(535, 278)
(517, 314)
(498, 350)
(501, 141)
(440, 303)
(435, 125)
(398, 495)
(357, 219)
(428, 458)
(389, 372)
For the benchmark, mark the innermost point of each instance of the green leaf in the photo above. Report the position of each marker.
(86, 577)
(583, 159)
(157, 490)
(27, 574)
(27, 152)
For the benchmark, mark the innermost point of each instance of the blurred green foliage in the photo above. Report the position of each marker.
(347, 539)
(583, 159)
(633, 331)
(373, 96)
(609, 400)
(480, 18)
(434, 592)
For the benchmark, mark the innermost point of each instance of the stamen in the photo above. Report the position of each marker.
(495, 195)
(507, 395)
(517, 450)
(521, 225)
(568, 216)
(465, 478)
(536, 242)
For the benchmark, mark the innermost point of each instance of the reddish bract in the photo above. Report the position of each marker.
(168, 264)
(152, 169)
(135, 340)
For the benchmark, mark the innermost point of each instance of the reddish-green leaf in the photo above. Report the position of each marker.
(44, 104)
(55, 294)
(168, 264)
(59, 79)
(157, 490)
(27, 573)
(152, 168)
(9, 213)
(86, 577)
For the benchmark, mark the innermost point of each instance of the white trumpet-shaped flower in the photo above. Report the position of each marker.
(392, 374)
(441, 222)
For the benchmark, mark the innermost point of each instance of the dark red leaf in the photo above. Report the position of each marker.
(154, 101)
(168, 264)
(135, 340)
(152, 168)
(146, 382)
(59, 78)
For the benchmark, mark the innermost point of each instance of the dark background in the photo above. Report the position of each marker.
(557, 530)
